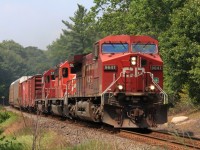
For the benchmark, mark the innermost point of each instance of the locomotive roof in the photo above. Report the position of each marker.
(59, 65)
(48, 71)
(64, 64)
(128, 38)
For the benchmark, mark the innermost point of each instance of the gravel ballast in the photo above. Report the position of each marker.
(75, 133)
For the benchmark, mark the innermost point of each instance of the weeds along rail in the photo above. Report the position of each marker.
(58, 119)
(163, 139)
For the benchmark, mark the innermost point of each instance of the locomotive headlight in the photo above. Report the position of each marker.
(152, 87)
(120, 87)
(133, 60)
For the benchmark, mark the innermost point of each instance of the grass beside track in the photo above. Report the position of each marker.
(19, 133)
(8, 142)
(91, 145)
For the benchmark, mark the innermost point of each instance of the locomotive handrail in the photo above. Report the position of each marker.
(111, 84)
(117, 80)
(48, 91)
(159, 88)
(151, 75)
(109, 88)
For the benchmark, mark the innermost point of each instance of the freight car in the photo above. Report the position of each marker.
(15, 92)
(120, 83)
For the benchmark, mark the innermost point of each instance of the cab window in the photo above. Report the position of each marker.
(65, 72)
(145, 48)
(115, 48)
(52, 76)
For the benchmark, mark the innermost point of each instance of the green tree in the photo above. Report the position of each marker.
(77, 31)
(37, 58)
(78, 38)
(134, 16)
(180, 49)
(17, 61)
(58, 50)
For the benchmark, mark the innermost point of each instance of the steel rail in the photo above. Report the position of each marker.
(164, 139)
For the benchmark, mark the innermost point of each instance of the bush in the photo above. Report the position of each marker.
(4, 116)
(11, 144)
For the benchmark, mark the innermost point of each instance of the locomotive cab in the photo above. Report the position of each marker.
(54, 88)
(48, 84)
(63, 73)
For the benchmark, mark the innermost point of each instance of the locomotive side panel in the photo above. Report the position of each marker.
(91, 78)
(48, 84)
(62, 76)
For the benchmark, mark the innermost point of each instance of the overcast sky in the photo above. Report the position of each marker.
(36, 22)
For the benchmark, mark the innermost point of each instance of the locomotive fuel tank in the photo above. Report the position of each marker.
(83, 110)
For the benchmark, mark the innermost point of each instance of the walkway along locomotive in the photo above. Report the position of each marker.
(120, 83)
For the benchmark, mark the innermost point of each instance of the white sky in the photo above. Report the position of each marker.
(36, 22)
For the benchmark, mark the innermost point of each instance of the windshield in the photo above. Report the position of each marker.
(115, 48)
(144, 48)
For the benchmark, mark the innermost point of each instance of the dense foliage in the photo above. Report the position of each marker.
(180, 46)
(7, 144)
(174, 23)
(17, 61)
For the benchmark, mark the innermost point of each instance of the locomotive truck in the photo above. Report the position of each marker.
(120, 83)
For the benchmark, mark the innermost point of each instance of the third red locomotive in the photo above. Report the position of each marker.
(120, 83)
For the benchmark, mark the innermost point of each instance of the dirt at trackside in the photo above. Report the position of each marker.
(190, 127)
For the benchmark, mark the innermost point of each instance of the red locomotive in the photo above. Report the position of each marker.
(48, 90)
(120, 83)
(54, 88)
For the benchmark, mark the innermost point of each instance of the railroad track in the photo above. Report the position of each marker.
(156, 138)
(163, 139)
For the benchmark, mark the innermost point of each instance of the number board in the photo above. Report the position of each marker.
(156, 68)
